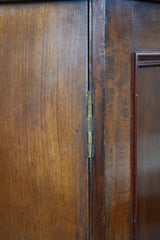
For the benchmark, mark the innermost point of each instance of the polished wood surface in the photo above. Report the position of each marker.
(131, 26)
(146, 146)
(43, 151)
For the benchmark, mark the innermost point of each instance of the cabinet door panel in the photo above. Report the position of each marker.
(148, 156)
(146, 146)
(43, 155)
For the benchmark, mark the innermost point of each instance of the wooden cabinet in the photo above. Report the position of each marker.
(51, 54)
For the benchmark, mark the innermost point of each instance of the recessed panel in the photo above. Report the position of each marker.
(147, 153)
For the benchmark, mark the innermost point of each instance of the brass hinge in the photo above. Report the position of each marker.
(90, 123)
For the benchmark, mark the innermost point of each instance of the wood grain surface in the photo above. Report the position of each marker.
(119, 40)
(43, 153)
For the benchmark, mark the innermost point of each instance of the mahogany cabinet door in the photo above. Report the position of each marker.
(43, 135)
(132, 121)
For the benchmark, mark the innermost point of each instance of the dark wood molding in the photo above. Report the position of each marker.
(141, 59)
(147, 59)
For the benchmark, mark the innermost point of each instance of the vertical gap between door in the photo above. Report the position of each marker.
(90, 88)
